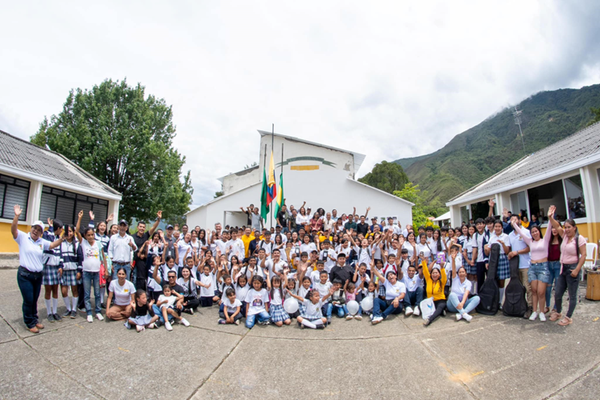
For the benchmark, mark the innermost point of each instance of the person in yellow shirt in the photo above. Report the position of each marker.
(247, 237)
(436, 281)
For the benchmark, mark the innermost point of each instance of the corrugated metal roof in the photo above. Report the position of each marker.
(27, 157)
(580, 148)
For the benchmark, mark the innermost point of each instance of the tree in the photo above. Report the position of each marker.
(123, 138)
(596, 112)
(421, 211)
(218, 194)
(386, 176)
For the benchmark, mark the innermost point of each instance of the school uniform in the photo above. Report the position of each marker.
(69, 262)
(51, 259)
(276, 311)
(190, 292)
(207, 293)
(503, 263)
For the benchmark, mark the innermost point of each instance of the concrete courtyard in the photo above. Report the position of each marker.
(492, 357)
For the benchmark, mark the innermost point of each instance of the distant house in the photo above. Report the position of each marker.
(46, 185)
(323, 176)
(565, 174)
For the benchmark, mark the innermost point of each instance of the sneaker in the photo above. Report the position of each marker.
(184, 322)
(459, 316)
(542, 317)
(267, 322)
(50, 317)
(67, 314)
(358, 317)
(191, 311)
(301, 326)
(90, 319)
(140, 328)
(152, 326)
(222, 321)
(328, 320)
(127, 325)
(100, 317)
(533, 316)
(237, 322)
(73, 314)
(321, 326)
(426, 322)
(377, 320)
(467, 317)
(168, 326)
(82, 309)
(417, 312)
(57, 317)
(444, 313)
(349, 317)
(408, 312)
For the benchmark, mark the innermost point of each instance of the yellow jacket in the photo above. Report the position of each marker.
(434, 290)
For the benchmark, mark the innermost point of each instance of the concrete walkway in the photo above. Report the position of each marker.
(492, 357)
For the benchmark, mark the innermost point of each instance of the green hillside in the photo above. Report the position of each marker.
(494, 144)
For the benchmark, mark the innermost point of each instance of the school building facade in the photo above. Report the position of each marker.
(46, 185)
(565, 174)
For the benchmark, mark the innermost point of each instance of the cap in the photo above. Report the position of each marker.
(38, 223)
(123, 222)
(278, 226)
(169, 226)
(373, 218)
(390, 217)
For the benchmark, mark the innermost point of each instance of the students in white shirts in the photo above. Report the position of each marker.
(275, 265)
(458, 299)
(411, 246)
(307, 246)
(395, 291)
(184, 248)
(498, 236)
(207, 281)
(328, 255)
(267, 244)
(232, 308)
(119, 249)
(423, 249)
(123, 293)
(414, 290)
(469, 258)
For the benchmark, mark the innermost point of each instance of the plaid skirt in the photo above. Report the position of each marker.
(278, 314)
(69, 278)
(503, 267)
(470, 269)
(50, 276)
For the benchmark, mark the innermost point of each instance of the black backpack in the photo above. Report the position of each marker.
(515, 303)
(489, 294)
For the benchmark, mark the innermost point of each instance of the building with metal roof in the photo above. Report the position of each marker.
(323, 176)
(565, 174)
(46, 185)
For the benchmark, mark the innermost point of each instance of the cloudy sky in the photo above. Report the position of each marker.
(388, 79)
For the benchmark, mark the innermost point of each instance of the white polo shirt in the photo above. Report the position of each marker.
(30, 252)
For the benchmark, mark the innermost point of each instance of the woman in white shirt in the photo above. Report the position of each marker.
(458, 300)
(93, 254)
(123, 293)
(411, 246)
(302, 219)
(423, 249)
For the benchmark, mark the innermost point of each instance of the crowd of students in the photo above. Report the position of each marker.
(309, 269)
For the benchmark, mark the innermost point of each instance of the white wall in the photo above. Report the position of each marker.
(238, 181)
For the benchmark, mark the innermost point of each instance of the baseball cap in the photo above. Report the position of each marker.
(169, 226)
(38, 223)
(123, 222)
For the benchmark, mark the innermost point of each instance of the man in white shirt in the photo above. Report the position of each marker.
(119, 250)
(275, 265)
(328, 223)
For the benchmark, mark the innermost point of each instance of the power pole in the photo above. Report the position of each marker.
(517, 116)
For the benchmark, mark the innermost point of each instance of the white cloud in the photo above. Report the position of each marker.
(390, 80)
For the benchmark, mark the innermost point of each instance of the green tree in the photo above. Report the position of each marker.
(218, 194)
(421, 211)
(596, 112)
(124, 138)
(386, 176)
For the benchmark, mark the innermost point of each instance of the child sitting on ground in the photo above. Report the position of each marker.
(166, 302)
(312, 315)
(140, 315)
(232, 308)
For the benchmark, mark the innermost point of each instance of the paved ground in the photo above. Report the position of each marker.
(492, 357)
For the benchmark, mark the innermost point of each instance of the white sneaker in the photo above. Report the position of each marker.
(358, 317)
(349, 317)
(127, 325)
(90, 319)
(184, 322)
(152, 326)
(237, 322)
(533, 316)
(140, 328)
(417, 312)
(377, 320)
(459, 316)
(408, 312)
(467, 317)
(100, 317)
(542, 317)
(168, 326)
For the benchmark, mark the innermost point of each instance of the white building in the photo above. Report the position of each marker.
(323, 176)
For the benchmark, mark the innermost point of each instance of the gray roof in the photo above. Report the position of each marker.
(20, 155)
(575, 151)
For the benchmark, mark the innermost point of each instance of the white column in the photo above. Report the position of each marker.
(113, 208)
(455, 215)
(591, 193)
(34, 202)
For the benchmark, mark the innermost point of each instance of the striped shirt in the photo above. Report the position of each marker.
(69, 261)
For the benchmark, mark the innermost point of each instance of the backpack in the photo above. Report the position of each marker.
(515, 303)
(489, 294)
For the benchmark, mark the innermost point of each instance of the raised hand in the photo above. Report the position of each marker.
(159, 214)
(17, 210)
(491, 202)
(110, 217)
(92, 215)
(551, 211)
(50, 221)
(80, 214)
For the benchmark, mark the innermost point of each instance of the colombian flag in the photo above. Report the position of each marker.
(271, 184)
(279, 198)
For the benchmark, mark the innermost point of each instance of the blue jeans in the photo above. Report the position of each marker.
(157, 311)
(341, 310)
(117, 266)
(89, 279)
(413, 299)
(566, 282)
(554, 267)
(30, 284)
(539, 272)
(327, 310)
(378, 304)
(262, 317)
(469, 306)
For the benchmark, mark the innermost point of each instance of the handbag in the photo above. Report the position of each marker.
(427, 308)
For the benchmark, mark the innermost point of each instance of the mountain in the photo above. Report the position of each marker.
(495, 143)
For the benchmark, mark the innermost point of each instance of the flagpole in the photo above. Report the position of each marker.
(281, 172)
(272, 150)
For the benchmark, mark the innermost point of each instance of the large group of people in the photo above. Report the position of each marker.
(309, 268)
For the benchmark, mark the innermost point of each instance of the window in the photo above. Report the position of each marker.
(13, 191)
(518, 204)
(542, 197)
(65, 205)
(464, 214)
(481, 210)
(575, 199)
